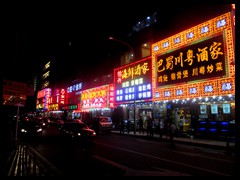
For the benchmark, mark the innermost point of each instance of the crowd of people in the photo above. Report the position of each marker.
(160, 127)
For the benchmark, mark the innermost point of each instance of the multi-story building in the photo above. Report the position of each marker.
(17, 94)
(151, 44)
(172, 98)
(14, 93)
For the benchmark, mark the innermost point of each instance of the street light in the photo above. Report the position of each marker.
(134, 100)
(125, 43)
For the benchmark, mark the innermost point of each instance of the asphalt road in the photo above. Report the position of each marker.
(117, 155)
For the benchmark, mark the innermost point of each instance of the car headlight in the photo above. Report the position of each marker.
(23, 130)
(79, 134)
(39, 130)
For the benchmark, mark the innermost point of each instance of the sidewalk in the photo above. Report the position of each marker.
(217, 144)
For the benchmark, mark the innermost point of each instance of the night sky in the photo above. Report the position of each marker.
(75, 31)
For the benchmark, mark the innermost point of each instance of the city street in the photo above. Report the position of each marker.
(117, 155)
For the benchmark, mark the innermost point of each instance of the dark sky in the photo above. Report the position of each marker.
(42, 30)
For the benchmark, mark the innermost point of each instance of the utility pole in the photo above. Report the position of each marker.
(134, 100)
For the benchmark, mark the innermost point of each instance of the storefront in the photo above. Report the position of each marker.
(72, 107)
(97, 101)
(55, 103)
(133, 89)
(194, 77)
(43, 99)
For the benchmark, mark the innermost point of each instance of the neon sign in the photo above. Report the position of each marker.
(62, 96)
(53, 107)
(133, 82)
(70, 107)
(99, 97)
(41, 94)
(75, 87)
(199, 61)
(48, 93)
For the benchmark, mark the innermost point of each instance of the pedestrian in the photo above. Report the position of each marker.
(122, 126)
(172, 131)
(181, 122)
(167, 126)
(128, 125)
(158, 128)
(149, 126)
(141, 130)
(161, 128)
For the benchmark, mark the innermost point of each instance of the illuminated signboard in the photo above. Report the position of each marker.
(48, 93)
(75, 87)
(53, 107)
(70, 107)
(62, 96)
(111, 96)
(133, 82)
(99, 97)
(41, 94)
(198, 61)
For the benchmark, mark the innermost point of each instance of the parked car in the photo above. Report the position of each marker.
(100, 124)
(77, 131)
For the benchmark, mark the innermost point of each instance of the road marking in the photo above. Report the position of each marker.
(200, 155)
(163, 159)
(125, 168)
(132, 172)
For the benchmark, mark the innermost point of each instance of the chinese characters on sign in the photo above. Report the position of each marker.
(100, 97)
(198, 61)
(62, 96)
(133, 82)
(111, 96)
(75, 87)
(48, 93)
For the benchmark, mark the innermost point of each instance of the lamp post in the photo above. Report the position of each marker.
(134, 100)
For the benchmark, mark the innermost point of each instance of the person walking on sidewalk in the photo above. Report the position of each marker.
(141, 130)
(149, 126)
(181, 122)
(161, 128)
(128, 125)
(172, 131)
(122, 126)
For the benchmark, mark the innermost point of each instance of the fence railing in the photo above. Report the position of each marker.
(28, 162)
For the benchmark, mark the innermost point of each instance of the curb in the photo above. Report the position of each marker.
(221, 145)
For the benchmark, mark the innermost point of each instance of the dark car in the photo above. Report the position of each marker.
(77, 131)
(29, 128)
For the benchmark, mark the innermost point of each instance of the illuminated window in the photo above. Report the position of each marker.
(45, 75)
(126, 58)
(47, 65)
(145, 50)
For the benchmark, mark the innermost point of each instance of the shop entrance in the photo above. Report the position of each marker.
(145, 113)
(181, 115)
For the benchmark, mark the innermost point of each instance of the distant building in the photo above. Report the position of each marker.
(46, 75)
(14, 92)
